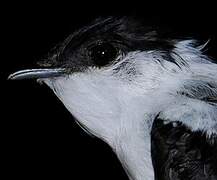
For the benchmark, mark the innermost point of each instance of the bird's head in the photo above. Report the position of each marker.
(108, 72)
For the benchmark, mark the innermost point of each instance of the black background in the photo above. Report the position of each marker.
(39, 137)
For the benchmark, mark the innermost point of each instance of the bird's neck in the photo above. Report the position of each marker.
(134, 152)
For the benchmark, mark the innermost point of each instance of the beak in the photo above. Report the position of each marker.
(36, 74)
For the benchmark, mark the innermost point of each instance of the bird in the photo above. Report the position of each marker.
(152, 97)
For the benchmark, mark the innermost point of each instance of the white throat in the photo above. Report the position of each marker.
(125, 127)
(134, 152)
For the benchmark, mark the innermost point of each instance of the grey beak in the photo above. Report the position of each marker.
(36, 74)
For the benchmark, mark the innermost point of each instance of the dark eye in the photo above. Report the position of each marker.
(103, 53)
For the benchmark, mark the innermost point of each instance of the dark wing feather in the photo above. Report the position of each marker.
(180, 154)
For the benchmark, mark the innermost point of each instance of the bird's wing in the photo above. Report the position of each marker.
(178, 153)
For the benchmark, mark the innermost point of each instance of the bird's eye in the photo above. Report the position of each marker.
(103, 53)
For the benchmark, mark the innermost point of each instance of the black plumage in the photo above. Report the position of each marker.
(180, 154)
(126, 34)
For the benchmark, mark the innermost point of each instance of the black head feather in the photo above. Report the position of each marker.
(120, 34)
